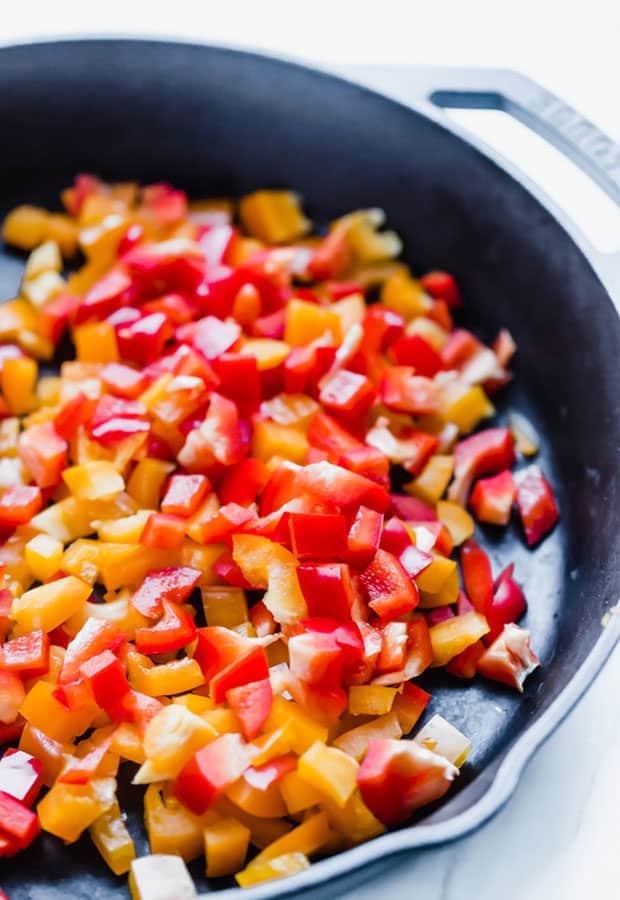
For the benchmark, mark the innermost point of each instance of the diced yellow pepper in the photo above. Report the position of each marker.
(127, 742)
(448, 592)
(121, 612)
(268, 352)
(99, 241)
(50, 753)
(439, 736)
(224, 605)
(330, 770)
(68, 809)
(465, 406)
(51, 604)
(456, 519)
(113, 841)
(48, 390)
(267, 564)
(19, 378)
(432, 578)
(291, 409)
(82, 559)
(196, 703)
(432, 481)
(307, 838)
(307, 321)
(273, 216)
(223, 720)
(262, 831)
(160, 877)
(171, 827)
(43, 556)
(94, 481)
(95, 342)
(174, 677)
(25, 227)
(305, 730)
(226, 847)
(146, 481)
(203, 559)
(454, 635)
(128, 564)
(354, 822)
(271, 439)
(40, 289)
(173, 736)
(267, 804)
(9, 433)
(35, 345)
(429, 330)
(404, 295)
(368, 244)
(16, 316)
(44, 712)
(355, 741)
(370, 699)
(45, 258)
(298, 794)
(281, 867)
(273, 743)
(127, 530)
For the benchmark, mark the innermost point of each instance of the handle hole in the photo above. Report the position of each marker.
(580, 197)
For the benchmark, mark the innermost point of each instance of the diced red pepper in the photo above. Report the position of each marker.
(536, 504)
(270, 773)
(465, 664)
(492, 498)
(391, 592)
(228, 570)
(364, 537)
(404, 391)
(508, 604)
(6, 601)
(251, 704)
(184, 494)
(320, 536)
(327, 589)
(55, 315)
(210, 336)
(75, 412)
(226, 521)
(396, 777)
(20, 776)
(106, 676)
(173, 265)
(211, 770)
(332, 257)
(252, 666)
(244, 482)
(174, 631)
(411, 509)
(18, 505)
(460, 346)
(95, 636)
(240, 381)
(11, 696)
(510, 658)
(17, 822)
(316, 658)
(338, 487)
(487, 451)
(477, 575)
(144, 340)
(123, 381)
(173, 584)
(443, 286)
(348, 393)
(167, 204)
(413, 350)
(163, 531)
(118, 429)
(113, 290)
(44, 453)
(218, 647)
(28, 654)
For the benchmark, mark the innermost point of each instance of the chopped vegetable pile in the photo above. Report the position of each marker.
(232, 528)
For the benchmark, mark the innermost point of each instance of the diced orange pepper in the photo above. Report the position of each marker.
(173, 736)
(43, 555)
(164, 679)
(404, 295)
(454, 635)
(370, 699)
(51, 604)
(307, 321)
(226, 847)
(330, 770)
(457, 520)
(94, 481)
(48, 751)
(307, 838)
(433, 480)
(68, 809)
(273, 216)
(95, 342)
(280, 867)
(267, 804)
(111, 838)
(44, 712)
(25, 227)
(146, 481)
(270, 439)
(171, 827)
(224, 605)
(268, 352)
(19, 378)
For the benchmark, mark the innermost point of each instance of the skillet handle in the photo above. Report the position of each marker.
(533, 105)
(537, 108)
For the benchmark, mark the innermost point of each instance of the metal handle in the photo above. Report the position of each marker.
(537, 108)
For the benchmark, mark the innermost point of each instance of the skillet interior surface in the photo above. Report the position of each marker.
(217, 122)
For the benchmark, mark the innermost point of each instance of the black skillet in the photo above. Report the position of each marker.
(218, 122)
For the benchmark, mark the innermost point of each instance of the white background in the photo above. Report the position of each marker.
(558, 836)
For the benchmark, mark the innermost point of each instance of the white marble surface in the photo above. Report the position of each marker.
(557, 838)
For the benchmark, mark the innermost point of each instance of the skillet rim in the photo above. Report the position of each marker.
(505, 771)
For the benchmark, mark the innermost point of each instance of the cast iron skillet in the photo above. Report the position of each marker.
(215, 122)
